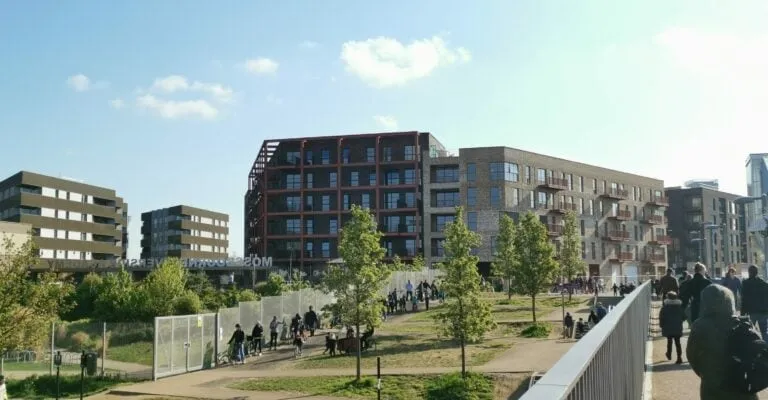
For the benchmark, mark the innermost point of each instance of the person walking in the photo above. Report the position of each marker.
(754, 300)
(690, 290)
(671, 319)
(733, 282)
(274, 327)
(708, 350)
(310, 319)
(408, 290)
(238, 340)
(568, 323)
(257, 336)
(669, 283)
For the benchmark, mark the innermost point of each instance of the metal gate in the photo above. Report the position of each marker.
(184, 344)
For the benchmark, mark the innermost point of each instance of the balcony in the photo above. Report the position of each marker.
(661, 240)
(614, 193)
(655, 259)
(563, 208)
(621, 256)
(554, 230)
(554, 183)
(659, 201)
(655, 220)
(617, 236)
(621, 215)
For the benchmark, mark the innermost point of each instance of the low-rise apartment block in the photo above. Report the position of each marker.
(184, 232)
(14, 234)
(75, 226)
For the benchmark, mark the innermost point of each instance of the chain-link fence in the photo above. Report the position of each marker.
(123, 349)
(400, 279)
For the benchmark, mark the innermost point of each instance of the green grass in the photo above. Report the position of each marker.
(36, 367)
(44, 386)
(395, 387)
(135, 353)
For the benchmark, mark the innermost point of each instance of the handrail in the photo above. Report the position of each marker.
(573, 376)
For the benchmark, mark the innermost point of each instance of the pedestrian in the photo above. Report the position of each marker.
(671, 319)
(408, 290)
(238, 340)
(733, 282)
(568, 323)
(669, 283)
(274, 325)
(3, 389)
(310, 319)
(690, 290)
(257, 336)
(754, 300)
(709, 348)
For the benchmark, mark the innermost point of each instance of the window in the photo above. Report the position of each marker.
(308, 203)
(438, 248)
(541, 175)
(580, 206)
(472, 220)
(447, 199)
(391, 200)
(410, 223)
(600, 208)
(293, 181)
(293, 226)
(592, 250)
(333, 226)
(410, 247)
(542, 199)
(410, 152)
(515, 197)
(293, 203)
(495, 197)
(310, 180)
(325, 203)
(309, 249)
(594, 185)
(309, 226)
(569, 179)
(695, 202)
(410, 177)
(441, 221)
(471, 172)
(504, 171)
(308, 157)
(372, 179)
(583, 250)
(332, 180)
(365, 200)
(472, 197)
(345, 152)
(293, 157)
(325, 157)
(370, 154)
(493, 245)
(532, 199)
(581, 184)
(325, 249)
(387, 154)
(528, 175)
(583, 228)
(392, 178)
(345, 201)
(392, 223)
(354, 178)
(446, 174)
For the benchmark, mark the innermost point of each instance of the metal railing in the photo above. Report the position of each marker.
(608, 363)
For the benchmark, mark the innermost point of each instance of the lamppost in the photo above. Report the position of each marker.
(57, 363)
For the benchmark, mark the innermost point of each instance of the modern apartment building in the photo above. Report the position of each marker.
(755, 209)
(300, 192)
(705, 225)
(621, 215)
(75, 226)
(17, 233)
(184, 232)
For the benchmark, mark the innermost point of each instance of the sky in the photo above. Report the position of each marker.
(168, 102)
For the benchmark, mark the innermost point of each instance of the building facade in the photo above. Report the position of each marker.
(14, 234)
(184, 232)
(621, 215)
(300, 192)
(73, 224)
(706, 225)
(754, 210)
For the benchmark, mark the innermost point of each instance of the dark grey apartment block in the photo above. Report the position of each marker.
(184, 232)
(75, 226)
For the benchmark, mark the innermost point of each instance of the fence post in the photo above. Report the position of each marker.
(216, 339)
(53, 346)
(155, 337)
(104, 342)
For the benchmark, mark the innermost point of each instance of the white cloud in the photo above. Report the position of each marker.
(117, 103)
(177, 109)
(79, 82)
(308, 44)
(385, 62)
(386, 121)
(178, 83)
(261, 66)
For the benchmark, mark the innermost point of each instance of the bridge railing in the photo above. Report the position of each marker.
(608, 363)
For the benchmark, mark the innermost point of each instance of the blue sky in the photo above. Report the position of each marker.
(158, 99)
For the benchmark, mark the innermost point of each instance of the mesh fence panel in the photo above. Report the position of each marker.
(291, 304)
(164, 345)
(271, 307)
(250, 312)
(180, 338)
(228, 318)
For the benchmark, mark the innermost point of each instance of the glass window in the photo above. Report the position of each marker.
(393, 178)
(308, 157)
(345, 155)
(365, 200)
(447, 199)
(441, 221)
(309, 248)
(372, 179)
(446, 174)
(515, 197)
(541, 175)
(542, 199)
(354, 178)
(410, 176)
(325, 157)
(532, 199)
(332, 180)
(410, 152)
(527, 174)
(504, 171)
(293, 181)
(387, 154)
(310, 180)
(569, 179)
(309, 226)
(495, 197)
(410, 247)
(471, 172)
(293, 203)
(370, 154)
(472, 220)
(325, 203)
(325, 249)
(345, 201)
(308, 203)
(293, 226)
(333, 226)
(471, 197)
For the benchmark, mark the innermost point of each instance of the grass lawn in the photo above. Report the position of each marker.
(135, 353)
(36, 367)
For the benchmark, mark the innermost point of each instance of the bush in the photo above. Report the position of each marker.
(453, 387)
(536, 330)
(122, 334)
(44, 386)
(79, 341)
(188, 303)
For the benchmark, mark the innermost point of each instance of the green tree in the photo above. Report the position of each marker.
(83, 298)
(506, 256)
(571, 261)
(363, 274)
(537, 267)
(188, 303)
(465, 317)
(198, 282)
(297, 282)
(273, 286)
(118, 299)
(27, 304)
(162, 287)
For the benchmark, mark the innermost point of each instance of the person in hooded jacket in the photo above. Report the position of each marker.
(707, 349)
(671, 319)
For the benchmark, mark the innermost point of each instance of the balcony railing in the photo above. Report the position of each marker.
(581, 372)
(655, 258)
(622, 256)
(659, 201)
(617, 236)
(661, 240)
(621, 215)
(563, 208)
(435, 153)
(655, 219)
(554, 230)
(614, 193)
(554, 183)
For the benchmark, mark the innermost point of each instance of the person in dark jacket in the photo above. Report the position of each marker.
(754, 300)
(257, 336)
(310, 319)
(707, 349)
(568, 323)
(671, 319)
(669, 283)
(690, 291)
(238, 339)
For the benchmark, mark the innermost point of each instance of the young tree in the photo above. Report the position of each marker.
(162, 287)
(465, 317)
(83, 297)
(297, 281)
(506, 256)
(537, 266)
(358, 281)
(571, 262)
(27, 304)
(274, 286)
(118, 299)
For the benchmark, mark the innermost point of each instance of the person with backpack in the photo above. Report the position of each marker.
(721, 347)
(754, 300)
(671, 319)
(668, 283)
(257, 336)
(690, 290)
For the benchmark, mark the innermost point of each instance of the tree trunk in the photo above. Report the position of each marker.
(570, 293)
(463, 359)
(509, 289)
(533, 307)
(359, 351)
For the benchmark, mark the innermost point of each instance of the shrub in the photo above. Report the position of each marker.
(122, 334)
(536, 330)
(79, 341)
(453, 387)
(188, 303)
(44, 386)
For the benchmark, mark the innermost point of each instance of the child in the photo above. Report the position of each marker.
(414, 303)
(671, 319)
(298, 341)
